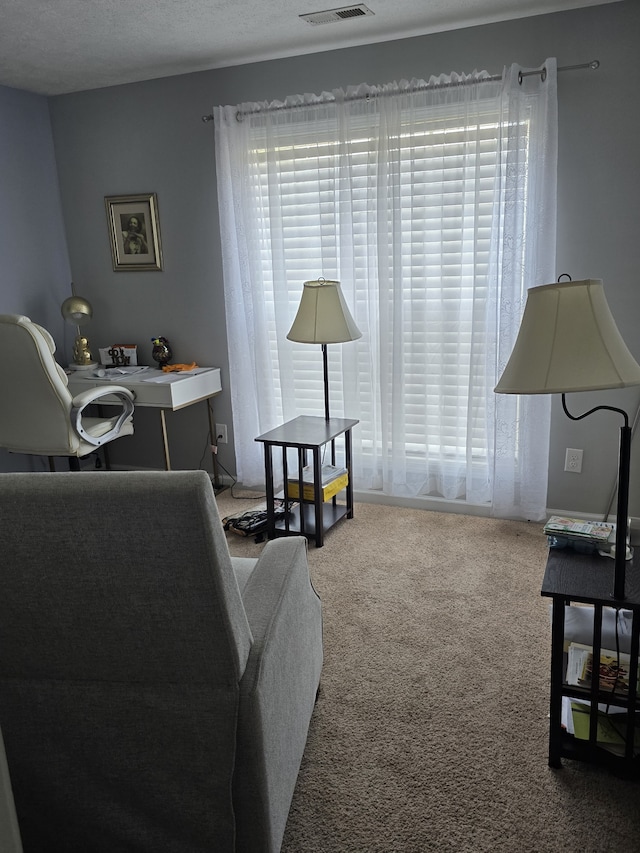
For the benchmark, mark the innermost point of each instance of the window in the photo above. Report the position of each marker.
(418, 200)
(440, 200)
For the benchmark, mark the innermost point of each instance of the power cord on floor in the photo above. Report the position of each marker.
(234, 481)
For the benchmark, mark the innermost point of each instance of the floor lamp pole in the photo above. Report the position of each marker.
(623, 511)
(326, 381)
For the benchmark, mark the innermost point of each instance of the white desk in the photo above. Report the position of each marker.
(174, 391)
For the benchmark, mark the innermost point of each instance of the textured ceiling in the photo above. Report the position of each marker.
(58, 46)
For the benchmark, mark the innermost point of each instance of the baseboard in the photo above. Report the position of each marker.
(426, 503)
(482, 510)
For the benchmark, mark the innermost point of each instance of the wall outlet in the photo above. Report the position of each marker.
(573, 460)
(221, 434)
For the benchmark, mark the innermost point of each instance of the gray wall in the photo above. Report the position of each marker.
(148, 137)
(35, 275)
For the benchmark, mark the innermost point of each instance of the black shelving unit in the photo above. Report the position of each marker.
(571, 578)
(308, 435)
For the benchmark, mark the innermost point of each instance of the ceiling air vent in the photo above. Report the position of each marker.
(331, 15)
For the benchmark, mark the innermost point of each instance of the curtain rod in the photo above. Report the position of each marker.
(593, 65)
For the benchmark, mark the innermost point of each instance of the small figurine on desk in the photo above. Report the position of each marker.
(161, 351)
(81, 353)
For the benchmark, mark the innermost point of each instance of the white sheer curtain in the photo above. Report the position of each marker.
(434, 205)
(523, 255)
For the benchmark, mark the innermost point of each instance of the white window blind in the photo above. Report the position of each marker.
(433, 290)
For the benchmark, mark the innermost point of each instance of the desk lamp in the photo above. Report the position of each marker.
(323, 318)
(78, 311)
(568, 341)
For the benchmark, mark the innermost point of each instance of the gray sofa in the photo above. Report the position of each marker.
(155, 694)
(9, 830)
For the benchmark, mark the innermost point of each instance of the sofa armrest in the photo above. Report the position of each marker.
(278, 689)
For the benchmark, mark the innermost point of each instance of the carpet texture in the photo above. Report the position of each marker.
(430, 733)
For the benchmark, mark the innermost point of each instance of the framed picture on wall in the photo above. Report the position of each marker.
(134, 231)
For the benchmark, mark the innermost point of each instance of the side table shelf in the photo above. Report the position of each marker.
(306, 435)
(577, 579)
(293, 523)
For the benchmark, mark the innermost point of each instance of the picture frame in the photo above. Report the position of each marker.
(134, 232)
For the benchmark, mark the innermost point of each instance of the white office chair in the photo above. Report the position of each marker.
(39, 414)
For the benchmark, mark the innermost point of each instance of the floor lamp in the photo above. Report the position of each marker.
(323, 318)
(568, 341)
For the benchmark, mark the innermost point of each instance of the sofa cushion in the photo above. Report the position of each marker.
(243, 567)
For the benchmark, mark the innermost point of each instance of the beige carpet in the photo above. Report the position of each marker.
(430, 733)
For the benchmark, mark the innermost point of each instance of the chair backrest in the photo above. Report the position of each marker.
(36, 402)
(123, 640)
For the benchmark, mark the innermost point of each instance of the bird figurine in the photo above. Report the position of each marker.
(161, 351)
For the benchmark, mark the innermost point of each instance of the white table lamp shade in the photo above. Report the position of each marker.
(323, 316)
(568, 341)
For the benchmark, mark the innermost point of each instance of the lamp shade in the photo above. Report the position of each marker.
(568, 341)
(323, 316)
(76, 310)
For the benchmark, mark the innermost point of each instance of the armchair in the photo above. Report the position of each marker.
(155, 693)
(40, 416)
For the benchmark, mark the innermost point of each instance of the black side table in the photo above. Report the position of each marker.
(588, 579)
(307, 434)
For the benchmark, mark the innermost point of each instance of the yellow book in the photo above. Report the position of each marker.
(330, 487)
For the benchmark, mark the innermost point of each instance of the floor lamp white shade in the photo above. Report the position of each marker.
(323, 318)
(323, 315)
(569, 341)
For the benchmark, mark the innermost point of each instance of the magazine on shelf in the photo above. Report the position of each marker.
(598, 532)
(334, 479)
(614, 668)
(329, 473)
(611, 728)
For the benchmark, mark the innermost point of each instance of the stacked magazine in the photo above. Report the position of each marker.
(334, 479)
(614, 668)
(586, 536)
(611, 731)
